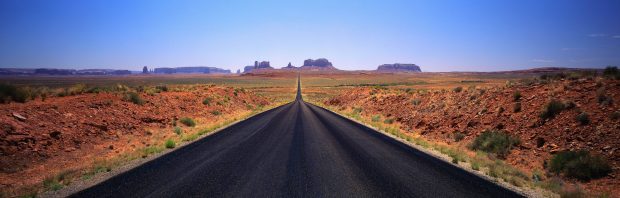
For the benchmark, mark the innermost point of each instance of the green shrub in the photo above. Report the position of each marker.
(458, 136)
(151, 150)
(583, 118)
(163, 88)
(77, 89)
(170, 144)
(475, 165)
(416, 101)
(10, 93)
(579, 164)
(52, 184)
(495, 142)
(134, 98)
(216, 112)
(389, 121)
(357, 110)
(178, 130)
(611, 71)
(188, 122)
(457, 89)
(516, 96)
(552, 108)
(376, 118)
(207, 101)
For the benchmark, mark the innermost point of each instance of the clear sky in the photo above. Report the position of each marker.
(438, 35)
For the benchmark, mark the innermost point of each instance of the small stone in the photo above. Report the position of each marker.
(19, 117)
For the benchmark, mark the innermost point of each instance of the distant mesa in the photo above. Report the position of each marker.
(190, 70)
(399, 67)
(102, 72)
(64, 72)
(318, 64)
(321, 62)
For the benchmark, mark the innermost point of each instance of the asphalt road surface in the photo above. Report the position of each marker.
(296, 150)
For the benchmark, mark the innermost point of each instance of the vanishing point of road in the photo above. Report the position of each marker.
(296, 150)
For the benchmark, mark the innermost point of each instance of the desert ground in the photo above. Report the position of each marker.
(69, 129)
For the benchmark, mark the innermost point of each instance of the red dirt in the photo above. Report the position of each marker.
(65, 132)
(442, 112)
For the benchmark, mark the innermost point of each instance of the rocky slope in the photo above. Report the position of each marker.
(439, 114)
(40, 138)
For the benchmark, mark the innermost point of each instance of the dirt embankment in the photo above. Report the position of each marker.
(41, 138)
(438, 114)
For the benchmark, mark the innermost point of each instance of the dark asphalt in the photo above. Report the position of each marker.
(296, 150)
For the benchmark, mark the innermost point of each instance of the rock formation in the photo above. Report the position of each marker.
(318, 64)
(398, 67)
(263, 65)
(248, 68)
(289, 66)
(321, 62)
(258, 65)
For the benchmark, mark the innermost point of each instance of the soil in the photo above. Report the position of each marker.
(38, 139)
(439, 114)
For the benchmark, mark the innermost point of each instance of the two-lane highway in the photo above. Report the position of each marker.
(296, 150)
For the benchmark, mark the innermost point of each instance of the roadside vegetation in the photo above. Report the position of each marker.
(560, 104)
(234, 104)
(170, 144)
(581, 165)
(188, 121)
(495, 142)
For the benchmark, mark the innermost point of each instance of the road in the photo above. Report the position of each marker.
(296, 150)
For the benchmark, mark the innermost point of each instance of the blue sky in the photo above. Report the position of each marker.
(438, 35)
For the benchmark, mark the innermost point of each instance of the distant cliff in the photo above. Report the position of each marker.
(52, 71)
(248, 68)
(398, 67)
(198, 69)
